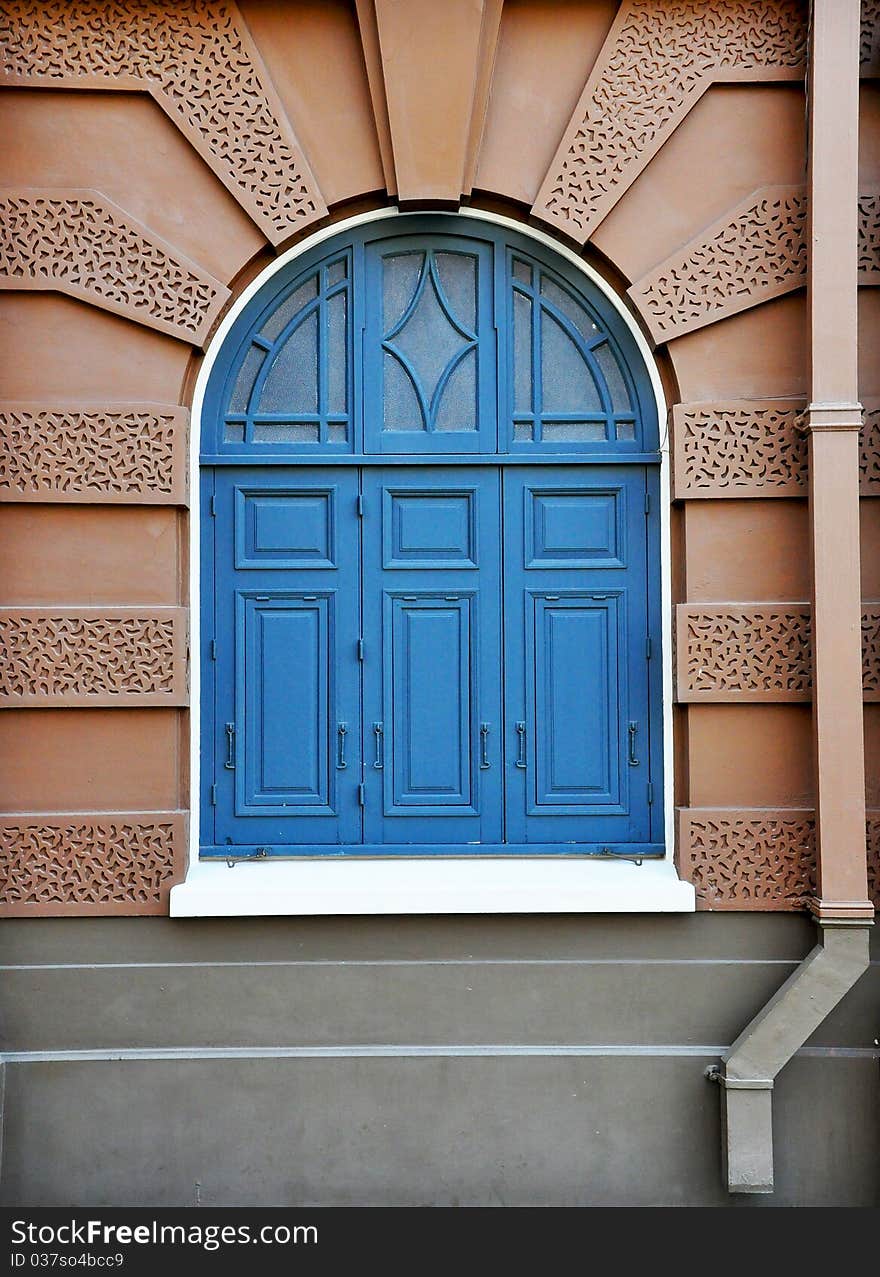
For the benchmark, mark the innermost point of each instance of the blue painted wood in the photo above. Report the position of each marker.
(575, 655)
(288, 623)
(432, 662)
(484, 651)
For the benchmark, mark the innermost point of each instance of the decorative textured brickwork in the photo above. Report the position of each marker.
(869, 461)
(871, 651)
(81, 243)
(199, 63)
(758, 652)
(748, 859)
(659, 58)
(115, 863)
(754, 448)
(758, 859)
(869, 238)
(755, 252)
(93, 656)
(122, 453)
(739, 449)
(870, 43)
(739, 652)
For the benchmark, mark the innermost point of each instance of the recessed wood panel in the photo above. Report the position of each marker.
(87, 555)
(89, 760)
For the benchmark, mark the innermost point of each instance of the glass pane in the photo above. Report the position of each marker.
(626, 430)
(572, 310)
(568, 384)
(607, 361)
(292, 383)
(400, 277)
(580, 431)
(523, 272)
(458, 406)
(244, 382)
(458, 279)
(336, 353)
(337, 433)
(401, 410)
(286, 431)
(522, 432)
(233, 432)
(279, 320)
(336, 272)
(522, 353)
(428, 340)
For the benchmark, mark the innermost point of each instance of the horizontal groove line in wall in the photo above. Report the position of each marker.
(392, 1051)
(409, 962)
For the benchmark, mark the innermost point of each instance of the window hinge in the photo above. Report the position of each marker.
(213, 795)
(360, 649)
(647, 503)
(362, 795)
(648, 648)
(361, 505)
(650, 792)
(213, 649)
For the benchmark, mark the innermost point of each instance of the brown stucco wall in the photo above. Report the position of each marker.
(488, 105)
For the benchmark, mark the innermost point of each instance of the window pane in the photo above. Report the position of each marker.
(233, 432)
(336, 353)
(292, 383)
(336, 272)
(571, 309)
(607, 361)
(337, 433)
(522, 432)
(626, 430)
(428, 340)
(458, 278)
(278, 321)
(568, 384)
(401, 407)
(458, 405)
(285, 432)
(522, 353)
(400, 277)
(575, 431)
(244, 382)
(523, 272)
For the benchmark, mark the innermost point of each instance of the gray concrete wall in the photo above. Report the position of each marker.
(492, 1061)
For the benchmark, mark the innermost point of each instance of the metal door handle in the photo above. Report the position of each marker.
(341, 730)
(230, 747)
(521, 757)
(633, 728)
(485, 728)
(379, 761)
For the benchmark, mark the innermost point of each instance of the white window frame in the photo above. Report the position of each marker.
(435, 885)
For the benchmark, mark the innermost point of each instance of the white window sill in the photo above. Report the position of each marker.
(402, 886)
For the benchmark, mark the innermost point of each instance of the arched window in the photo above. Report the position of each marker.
(430, 453)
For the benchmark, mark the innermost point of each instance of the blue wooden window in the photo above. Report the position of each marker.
(431, 562)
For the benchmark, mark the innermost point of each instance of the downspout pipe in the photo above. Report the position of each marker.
(766, 1045)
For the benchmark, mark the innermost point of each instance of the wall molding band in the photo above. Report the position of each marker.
(120, 453)
(201, 66)
(758, 858)
(658, 59)
(754, 652)
(56, 657)
(90, 864)
(755, 448)
(80, 243)
(754, 252)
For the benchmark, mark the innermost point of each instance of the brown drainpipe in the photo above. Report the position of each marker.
(832, 420)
